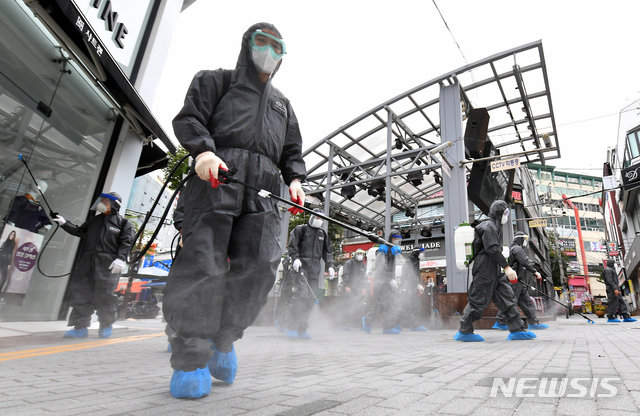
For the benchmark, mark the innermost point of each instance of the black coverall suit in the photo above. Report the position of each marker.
(354, 277)
(309, 245)
(488, 282)
(409, 308)
(519, 261)
(615, 303)
(383, 300)
(104, 239)
(220, 281)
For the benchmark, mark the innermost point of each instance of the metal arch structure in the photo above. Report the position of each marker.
(389, 160)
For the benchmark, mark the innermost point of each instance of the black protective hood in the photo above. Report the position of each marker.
(518, 239)
(610, 263)
(244, 59)
(497, 209)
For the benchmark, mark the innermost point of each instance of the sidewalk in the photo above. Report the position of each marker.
(334, 373)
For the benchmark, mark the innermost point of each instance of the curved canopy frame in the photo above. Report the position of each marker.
(397, 138)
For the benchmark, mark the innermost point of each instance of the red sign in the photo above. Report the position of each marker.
(614, 253)
(517, 197)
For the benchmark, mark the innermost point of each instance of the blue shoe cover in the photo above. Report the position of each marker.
(105, 332)
(398, 327)
(419, 328)
(292, 334)
(538, 326)
(365, 327)
(76, 333)
(500, 326)
(304, 335)
(392, 331)
(278, 327)
(459, 336)
(169, 349)
(630, 320)
(521, 336)
(613, 320)
(223, 365)
(190, 384)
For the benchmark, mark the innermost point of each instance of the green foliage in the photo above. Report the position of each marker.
(557, 259)
(180, 172)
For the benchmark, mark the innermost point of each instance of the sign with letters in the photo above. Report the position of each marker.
(505, 164)
(537, 223)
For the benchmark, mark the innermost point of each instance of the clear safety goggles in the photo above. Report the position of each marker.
(261, 40)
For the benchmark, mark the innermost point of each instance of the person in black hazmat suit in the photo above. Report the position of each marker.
(220, 281)
(106, 240)
(353, 289)
(178, 218)
(385, 287)
(308, 244)
(519, 261)
(410, 288)
(488, 282)
(615, 302)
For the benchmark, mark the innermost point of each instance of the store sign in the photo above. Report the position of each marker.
(433, 264)
(433, 248)
(517, 197)
(537, 223)
(631, 177)
(614, 253)
(567, 246)
(612, 246)
(505, 164)
(118, 23)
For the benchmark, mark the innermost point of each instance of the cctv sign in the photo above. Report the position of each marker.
(505, 164)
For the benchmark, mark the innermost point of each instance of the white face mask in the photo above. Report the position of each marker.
(101, 208)
(505, 217)
(317, 223)
(264, 60)
(359, 257)
(525, 243)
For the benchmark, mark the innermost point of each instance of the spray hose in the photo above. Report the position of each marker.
(559, 303)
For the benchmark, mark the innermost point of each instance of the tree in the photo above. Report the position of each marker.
(557, 259)
(174, 159)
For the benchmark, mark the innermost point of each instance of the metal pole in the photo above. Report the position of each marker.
(456, 202)
(387, 180)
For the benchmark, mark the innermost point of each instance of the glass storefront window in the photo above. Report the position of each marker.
(64, 150)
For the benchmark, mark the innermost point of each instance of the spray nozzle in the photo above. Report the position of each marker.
(226, 175)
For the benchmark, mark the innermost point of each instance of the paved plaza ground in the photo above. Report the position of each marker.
(334, 373)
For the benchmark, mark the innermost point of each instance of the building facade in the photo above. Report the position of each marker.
(578, 225)
(622, 201)
(75, 77)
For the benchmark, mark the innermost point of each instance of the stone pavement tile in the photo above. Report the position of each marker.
(576, 406)
(273, 409)
(503, 402)
(401, 400)
(426, 387)
(478, 392)
(310, 408)
(461, 406)
(491, 411)
(444, 395)
(535, 408)
(357, 405)
(618, 402)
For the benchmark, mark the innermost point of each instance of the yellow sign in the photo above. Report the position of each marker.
(537, 223)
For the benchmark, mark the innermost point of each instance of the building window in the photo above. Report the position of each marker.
(633, 145)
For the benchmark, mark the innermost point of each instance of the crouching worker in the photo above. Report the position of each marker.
(488, 282)
(106, 241)
(231, 246)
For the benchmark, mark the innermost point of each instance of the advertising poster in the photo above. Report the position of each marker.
(22, 262)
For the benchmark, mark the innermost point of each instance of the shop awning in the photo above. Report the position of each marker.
(151, 158)
(577, 281)
(69, 25)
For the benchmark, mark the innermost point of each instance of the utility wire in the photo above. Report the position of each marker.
(450, 32)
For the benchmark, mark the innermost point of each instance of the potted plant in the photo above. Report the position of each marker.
(600, 308)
